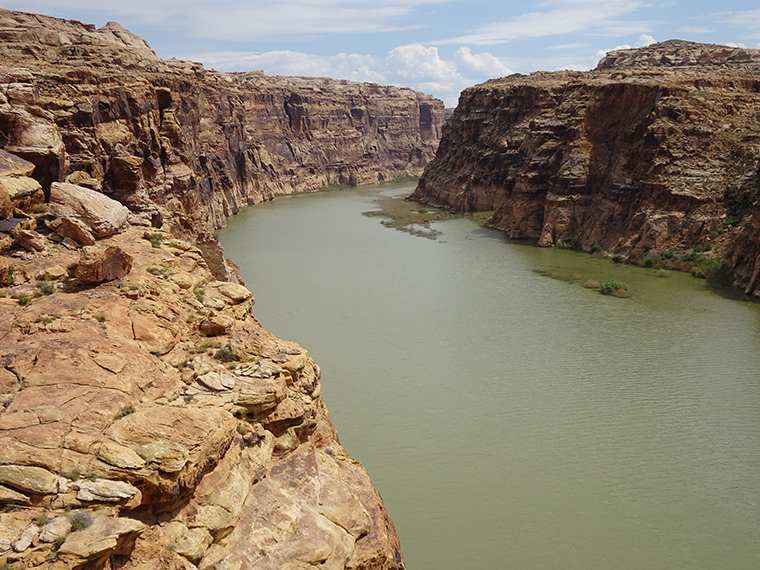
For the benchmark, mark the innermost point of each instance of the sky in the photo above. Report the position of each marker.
(436, 46)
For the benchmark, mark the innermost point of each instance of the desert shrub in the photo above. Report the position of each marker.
(609, 286)
(125, 411)
(47, 288)
(596, 247)
(226, 355)
(617, 258)
(73, 475)
(80, 520)
(697, 272)
(155, 239)
(23, 298)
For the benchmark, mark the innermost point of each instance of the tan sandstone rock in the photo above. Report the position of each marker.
(98, 264)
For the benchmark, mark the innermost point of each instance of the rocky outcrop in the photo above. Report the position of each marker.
(146, 418)
(654, 155)
(131, 431)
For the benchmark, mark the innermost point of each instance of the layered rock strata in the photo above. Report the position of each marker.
(183, 145)
(654, 153)
(146, 418)
(149, 418)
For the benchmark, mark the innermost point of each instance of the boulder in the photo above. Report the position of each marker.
(76, 231)
(98, 264)
(105, 491)
(216, 325)
(27, 536)
(234, 292)
(28, 240)
(23, 193)
(102, 215)
(29, 479)
(12, 165)
(55, 529)
(104, 538)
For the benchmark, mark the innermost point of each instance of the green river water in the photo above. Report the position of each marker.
(511, 420)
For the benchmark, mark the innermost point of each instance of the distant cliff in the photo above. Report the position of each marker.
(146, 418)
(653, 155)
(176, 142)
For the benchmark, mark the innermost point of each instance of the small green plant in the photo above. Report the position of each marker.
(80, 520)
(698, 273)
(39, 208)
(596, 247)
(11, 271)
(610, 286)
(206, 345)
(47, 288)
(23, 299)
(648, 262)
(73, 475)
(125, 411)
(199, 294)
(44, 319)
(617, 258)
(100, 316)
(226, 355)
(41, 520)
(155, 239)
(59, 542)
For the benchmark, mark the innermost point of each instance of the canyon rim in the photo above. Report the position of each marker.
(147, 418)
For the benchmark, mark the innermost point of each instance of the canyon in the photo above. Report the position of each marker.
(147, 419)
(652, 156)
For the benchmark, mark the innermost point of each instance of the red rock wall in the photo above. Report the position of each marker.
(638, 161)
(181, 144)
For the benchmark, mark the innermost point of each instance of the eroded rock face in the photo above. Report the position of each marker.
(177, 143)
(129, 434)
(655, 151)
(146, 418)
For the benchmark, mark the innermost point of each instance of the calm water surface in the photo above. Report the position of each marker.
(511, 420)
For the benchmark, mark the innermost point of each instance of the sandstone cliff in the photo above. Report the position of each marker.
(146, 418)
(654, 155)
(187, 146)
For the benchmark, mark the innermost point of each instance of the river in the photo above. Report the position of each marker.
(509, 419)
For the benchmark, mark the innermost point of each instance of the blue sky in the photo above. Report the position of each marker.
(435, 46)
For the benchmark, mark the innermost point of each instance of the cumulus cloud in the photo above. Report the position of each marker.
(643, 41)
(416, 66)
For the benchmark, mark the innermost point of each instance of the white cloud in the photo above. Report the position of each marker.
(601, 17)
(643, 41)
(419, 62)
(238, 20)
(413, 65)
(749, 20)
(479, 65)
